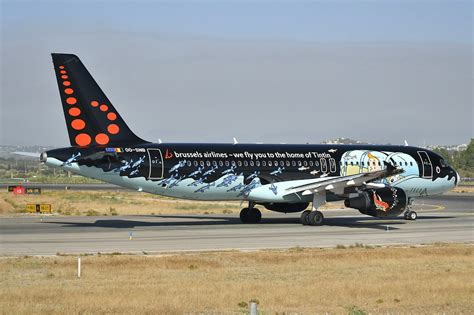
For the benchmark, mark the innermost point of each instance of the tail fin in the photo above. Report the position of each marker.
(90, 117)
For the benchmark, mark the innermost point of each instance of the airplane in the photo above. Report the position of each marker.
(303, 168)
(177, 166)
(377, 180)
(206, 187)
(229, 170)
(253, 175)
(277, 171)
(210, 171)
(139, 162)
(229, 179)
(71, 159)
(197, 172)
(273, 188)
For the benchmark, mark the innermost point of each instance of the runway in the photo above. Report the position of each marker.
(447, 218)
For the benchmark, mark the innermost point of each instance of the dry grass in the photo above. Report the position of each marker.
(72, 202)
(464, 189)
(112, 203)
(428, 280)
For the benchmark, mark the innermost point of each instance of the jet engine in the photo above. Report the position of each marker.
(381, 202)
(287, 207)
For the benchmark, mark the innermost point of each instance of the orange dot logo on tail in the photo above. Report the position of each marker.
(61, 67)
(94, 103)
(78, 124)
(111, 116)
(74, 111)
(66, 83)
(102, 138)
(71, 100)
(68, 91)
(104, 107)
(64, 77)
(63, 72)
(113, 129)
(83, 139)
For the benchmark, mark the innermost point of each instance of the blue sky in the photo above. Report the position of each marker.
(268, 20)
(265, 71)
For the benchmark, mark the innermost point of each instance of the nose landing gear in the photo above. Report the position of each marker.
(250, 214)
(409, 214)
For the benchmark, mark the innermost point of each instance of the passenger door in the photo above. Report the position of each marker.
(426, 166)
(155, 162)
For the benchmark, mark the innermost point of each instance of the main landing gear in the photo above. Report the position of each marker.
(250, 214)
(410, 215)
(314, 217)
(309, 217)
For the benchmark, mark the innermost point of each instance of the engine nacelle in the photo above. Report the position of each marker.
(381, 202)
(287, 207)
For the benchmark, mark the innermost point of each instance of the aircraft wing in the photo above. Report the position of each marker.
(285, 191)
(337, 184)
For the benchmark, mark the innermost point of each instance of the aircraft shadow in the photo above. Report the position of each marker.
(209, 220)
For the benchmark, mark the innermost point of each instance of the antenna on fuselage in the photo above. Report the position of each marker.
(235, 141)
(159, 141)
(406, 143)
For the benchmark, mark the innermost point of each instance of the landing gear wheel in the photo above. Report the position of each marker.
(250, 215)
(304, 217)
(244, 215)
(410, 215)
(315, 218)
(254, 215)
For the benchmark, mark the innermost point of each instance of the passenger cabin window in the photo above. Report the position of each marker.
(324, 166)
(188, 163)
(332, 165)
(288, 163)
(293, 163)
(264, 163)
(227, 163)
(196, 163)
(251, 163)
(239, 163)
(246, 163)
(221, 163)
(201, 163)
